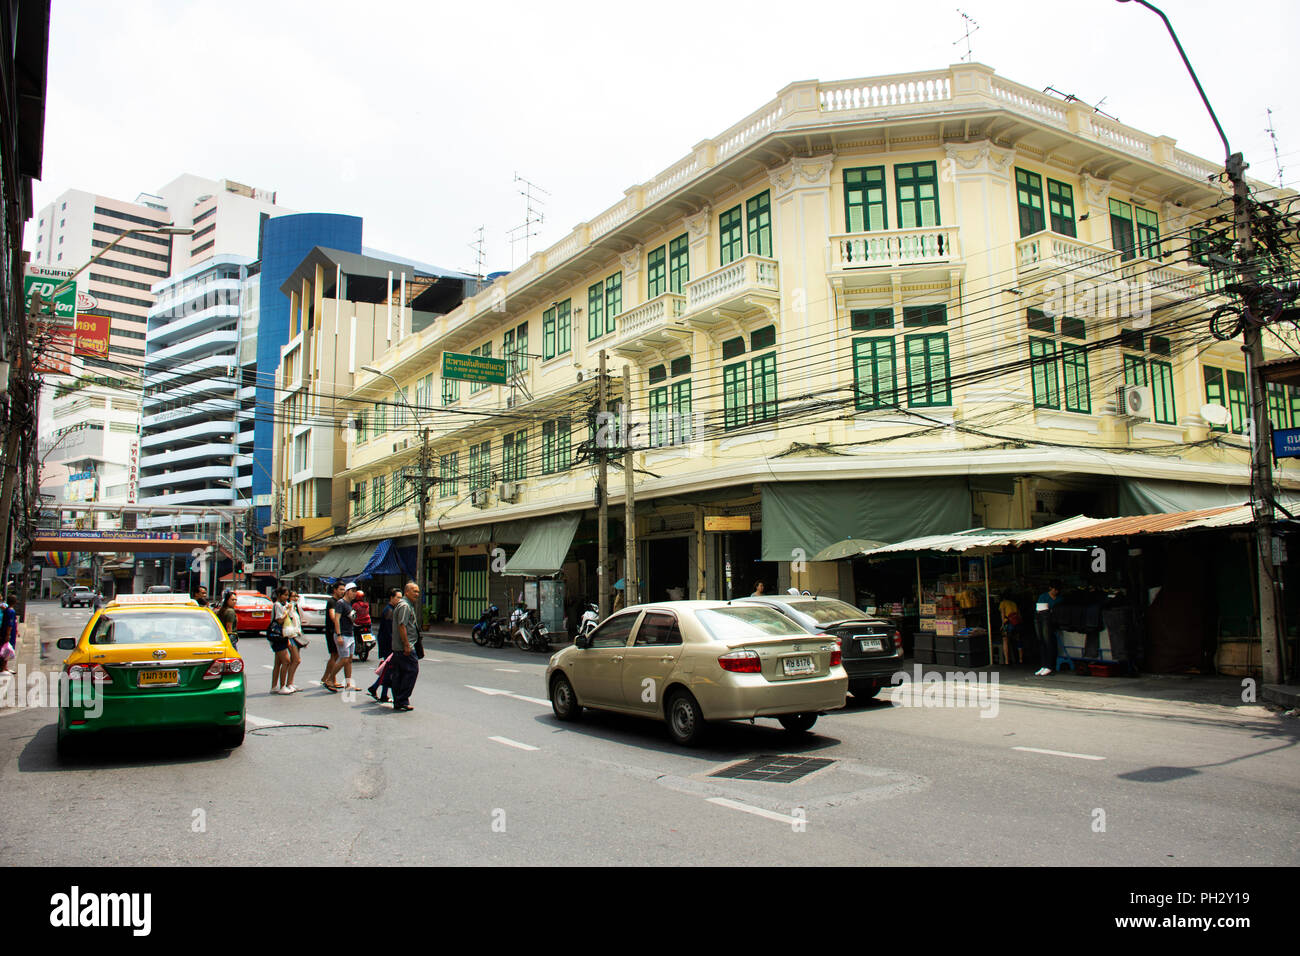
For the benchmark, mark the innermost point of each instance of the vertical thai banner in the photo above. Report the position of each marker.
(132, 472)
(92, 335)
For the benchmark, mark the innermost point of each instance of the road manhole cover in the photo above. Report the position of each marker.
(773, 769)
(286, 730)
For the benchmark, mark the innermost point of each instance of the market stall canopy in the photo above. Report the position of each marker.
(1098, 528)
(345, 561)
(983, 539)
(848, 548)
(390, 559)
(810, 516)
(544, 547)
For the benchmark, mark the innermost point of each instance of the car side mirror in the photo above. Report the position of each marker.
(582, 641)
(67, 644)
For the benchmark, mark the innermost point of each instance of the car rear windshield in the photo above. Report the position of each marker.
(744, 623)
(827, 612)
(158, 628)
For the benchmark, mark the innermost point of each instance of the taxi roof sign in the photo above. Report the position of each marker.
(153, 600)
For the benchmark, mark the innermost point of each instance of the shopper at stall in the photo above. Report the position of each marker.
(1010, 611)
(1047, 629)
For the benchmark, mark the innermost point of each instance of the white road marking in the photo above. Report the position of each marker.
(506, 670)
(268, 667)
(513, 743)
(757, 811)
(262, 721)
(493, 692)
(1058, 753)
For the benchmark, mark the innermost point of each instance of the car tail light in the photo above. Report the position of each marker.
(741, 662)
(898, 640)
(837, 655)
(95, 672)
(224, 665)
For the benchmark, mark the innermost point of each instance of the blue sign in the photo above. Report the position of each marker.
(1286, 443)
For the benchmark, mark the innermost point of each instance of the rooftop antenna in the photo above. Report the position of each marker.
(971, 27)
(1276, 158)
(480, 258)
(533, 215)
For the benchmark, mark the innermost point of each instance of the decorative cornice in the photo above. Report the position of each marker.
(1095, 191)
(699, 224)
(802, 173)
(978, 158)
(631, 263)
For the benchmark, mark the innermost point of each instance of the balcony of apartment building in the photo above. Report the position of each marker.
(217, 497)
(185, 409)
(163, 333)
(867, 259)
(749, 284)
(188, 435)
(223, 342)
(175, 478)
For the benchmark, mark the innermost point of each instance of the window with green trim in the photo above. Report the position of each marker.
(1162, 392)
(928, 375)
(680, 394)
(1073, 328)
(399, 409)
(485, 351)
(762, 377)
(613, 300)
(448, 479)
(1044, 373)
(1074, 375)
(763, 338)
(515, 349)
(730, 239)
(1040, 321)
(1060, 207)
(920, 316)
(378, 487)
(656, 272)
(1215, 392)
(450, 391)
(363, 435)
(660, 425)
(480, 465)
(1135, 371)
(381, 418)
(733, 347)
(875, 383)
(1293, 398)
(865, 207)
(916, 186)
(548, 333)
(359, 506)
(735, 408)
(1121, 229)
(555, 446)
(1238, 401)
(679, 263)
(1279, 413)
(1029, 200)
(514, 452)
(871, 320)
(758, 223)
(557, 335)
(595, 311)
(1148, 232)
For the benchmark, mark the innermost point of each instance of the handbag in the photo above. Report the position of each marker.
(419, 648)
(382, 669)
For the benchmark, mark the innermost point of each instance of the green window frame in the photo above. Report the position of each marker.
(359, 506)
(1198, 246)
(555, 446)
(928, 370)
(485, 351)
(679, 263)
(1044, 373)
(1029, 200)
(762, 377)
(1060, 208)
(514, 446)
(1074, 376)
(730, 239)
(660, 423)
(1238, 401)
(656, 272)
(399, 409)
(480, 465)
(514, 348)
(871, 320)
(1293, 396)
(1121, 229)
(448, 479)
(875, 381)
(450, 391)
(595, 311)
(1162, 392)
(866, 206)
(1216, 392)
(916, 189)
(922, 316)
(758, 223)
(680, 392)
(613, 300)
(1279, 414)
(735, 407)
(548, 333)
(381, 418)
(1147, 228)
(564, 327)
(378, 486)
(362, 433)
(1135, 371)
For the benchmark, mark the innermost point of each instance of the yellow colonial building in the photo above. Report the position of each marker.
(873, 309)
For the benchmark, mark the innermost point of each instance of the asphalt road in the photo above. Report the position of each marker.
(482, 773)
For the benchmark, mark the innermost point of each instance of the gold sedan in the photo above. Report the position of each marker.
(691, 662)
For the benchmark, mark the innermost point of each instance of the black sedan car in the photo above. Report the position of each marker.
(872, 649)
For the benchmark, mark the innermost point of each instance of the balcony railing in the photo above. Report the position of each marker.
(723, 289)
(648, 324)
(895, 248)
(1048, 254)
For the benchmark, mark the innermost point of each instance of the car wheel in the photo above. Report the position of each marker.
(232, 737)
(798, 723)
(563, 700)
(685, 719)
(865, 691)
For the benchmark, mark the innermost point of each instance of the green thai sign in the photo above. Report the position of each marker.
(474, 368)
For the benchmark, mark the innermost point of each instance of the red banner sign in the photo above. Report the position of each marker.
(92, 335)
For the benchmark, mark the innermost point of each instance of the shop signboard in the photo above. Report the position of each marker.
(726, 522)
(1286, 443)
(45, 281)
(92, 335)
(474, 368)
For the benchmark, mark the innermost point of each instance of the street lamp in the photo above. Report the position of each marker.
(156, 231)
(424, 466)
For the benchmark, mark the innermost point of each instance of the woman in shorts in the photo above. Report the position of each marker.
(279, 643)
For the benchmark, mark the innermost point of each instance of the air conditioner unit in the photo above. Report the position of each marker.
(584, 375)
(479, 497)
(507, 491)
(1135, 401)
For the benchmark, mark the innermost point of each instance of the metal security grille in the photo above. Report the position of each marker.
(773, 769)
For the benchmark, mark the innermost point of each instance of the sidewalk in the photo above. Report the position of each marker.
(461, 632)
(28, 657)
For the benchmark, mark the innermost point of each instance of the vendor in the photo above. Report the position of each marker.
(1046, 632)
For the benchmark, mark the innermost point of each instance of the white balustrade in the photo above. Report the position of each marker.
(896, 91)
(1031, 101)
(747, 274)
(897, 247)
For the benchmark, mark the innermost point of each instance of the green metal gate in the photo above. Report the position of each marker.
(471, 587)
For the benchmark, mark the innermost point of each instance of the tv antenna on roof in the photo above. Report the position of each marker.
(1276, 158)
(971, 27)
(480, 259)
(533, 215)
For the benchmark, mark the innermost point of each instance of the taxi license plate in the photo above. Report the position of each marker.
(159, 678)
(795, 666)
(872, 644)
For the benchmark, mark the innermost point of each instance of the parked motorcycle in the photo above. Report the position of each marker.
(590, 618)
(488, 632)
(529, 632)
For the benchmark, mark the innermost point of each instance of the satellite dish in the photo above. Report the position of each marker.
(1215, 414)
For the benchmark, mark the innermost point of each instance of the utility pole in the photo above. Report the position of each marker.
(602, 496)
(420, 504)
(279, 536)
(631, 578)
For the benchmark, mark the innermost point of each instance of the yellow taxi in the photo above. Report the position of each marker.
(151, 662)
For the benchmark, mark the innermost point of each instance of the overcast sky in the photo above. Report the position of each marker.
(417, 116)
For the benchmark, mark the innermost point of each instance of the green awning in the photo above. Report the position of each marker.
(344, 560)
(545, 546)
(801, 518)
